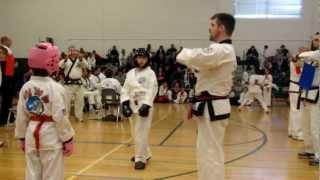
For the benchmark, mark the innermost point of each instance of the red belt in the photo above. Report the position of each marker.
(36, 134)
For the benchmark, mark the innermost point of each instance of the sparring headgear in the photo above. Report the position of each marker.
(141, 52)
(44, 56)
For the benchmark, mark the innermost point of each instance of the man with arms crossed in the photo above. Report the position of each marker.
(214, 66)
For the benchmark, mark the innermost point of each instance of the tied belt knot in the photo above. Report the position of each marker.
(206, 98)
(36, 134)
(73, 82)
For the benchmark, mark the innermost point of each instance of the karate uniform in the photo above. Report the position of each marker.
(73, 85)
(140, 87)
(92, 91)
(254, 92)
(215, 66)
(295, 116)
(311, 124)
(42, 100)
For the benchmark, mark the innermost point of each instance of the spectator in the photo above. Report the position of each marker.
(172, 50)
(252, 57)
(315, 42)
(91, 61)
(114, 56)
(123, 59)
(265, 56)
(8, 83)
(179, 95)
(164, 94)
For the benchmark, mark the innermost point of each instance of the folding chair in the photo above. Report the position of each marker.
(110, 98)
(12, 112)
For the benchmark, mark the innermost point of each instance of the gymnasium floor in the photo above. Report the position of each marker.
(256, 148)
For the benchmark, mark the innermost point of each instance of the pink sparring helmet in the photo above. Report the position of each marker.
(44, 56)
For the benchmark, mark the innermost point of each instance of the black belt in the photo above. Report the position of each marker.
(294, 82)
(206, 98)
(305, 99)
(73, 82)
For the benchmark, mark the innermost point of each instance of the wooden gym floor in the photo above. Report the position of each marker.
(256, 148)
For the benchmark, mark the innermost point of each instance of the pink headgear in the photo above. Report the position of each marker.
(44, 56)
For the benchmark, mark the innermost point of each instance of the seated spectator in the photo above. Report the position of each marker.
(99, 74)
(91, 90)
(179, 95)
(164, 94)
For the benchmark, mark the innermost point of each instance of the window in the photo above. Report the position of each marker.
(253, 9)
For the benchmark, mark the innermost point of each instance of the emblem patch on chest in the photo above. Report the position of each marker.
(142, 80)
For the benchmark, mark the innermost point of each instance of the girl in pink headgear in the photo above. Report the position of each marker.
(42, 124)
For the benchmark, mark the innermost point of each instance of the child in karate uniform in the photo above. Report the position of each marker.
(42, 124)
(137, 96)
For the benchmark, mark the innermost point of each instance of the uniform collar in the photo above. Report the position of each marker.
(41, 78)
(226, 41)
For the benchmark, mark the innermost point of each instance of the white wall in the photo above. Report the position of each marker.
(98, 24)
(3, 17)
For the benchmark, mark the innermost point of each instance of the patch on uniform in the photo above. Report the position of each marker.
(35, 100)
(142, 80)
(34, 105)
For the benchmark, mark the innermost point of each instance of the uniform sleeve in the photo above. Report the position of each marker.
(152, 91)
(310, 56)
(125, 90)
(22, 117)
(60, 116)
(204, 58)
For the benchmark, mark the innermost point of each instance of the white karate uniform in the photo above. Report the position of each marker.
(140, 87)
(311, 126)
(51, 101)
(295, 116)
(75, 91)
(92, 91)
(267, 89)
(215, 66)
(254, 92)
